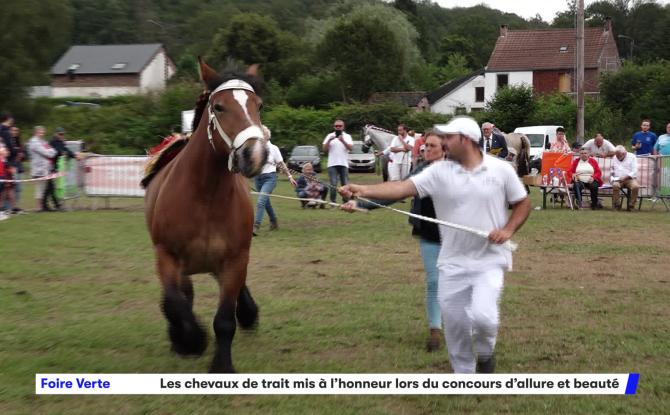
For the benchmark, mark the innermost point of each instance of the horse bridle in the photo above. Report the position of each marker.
(242, 136)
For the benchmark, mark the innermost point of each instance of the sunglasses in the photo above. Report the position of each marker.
(338, 126)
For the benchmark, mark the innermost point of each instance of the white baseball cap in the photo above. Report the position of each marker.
(461, 125)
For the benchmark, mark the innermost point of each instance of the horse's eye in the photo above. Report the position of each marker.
(218, 107)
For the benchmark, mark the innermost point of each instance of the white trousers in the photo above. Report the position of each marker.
(398, 171)
(469, 305)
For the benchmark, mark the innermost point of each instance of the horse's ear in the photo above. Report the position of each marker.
(252, 70)
(207, 74)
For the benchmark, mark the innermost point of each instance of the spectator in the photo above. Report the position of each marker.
(10, 167)
(561, 144)
(41, 154)
(624, 174)
(3, 185)
(662, 146)
(644, 140)
(429, 240)
(18, 166)
(266, 183)
(472, 190)
(54, 188)
(586, 174)
(493, 142)
(419, 140)
(308, 187)
(401, 157)
(58, 143)
(599, 147)
(337, 144)
(6, 123)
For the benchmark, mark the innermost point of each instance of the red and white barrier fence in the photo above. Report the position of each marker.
(117, 176)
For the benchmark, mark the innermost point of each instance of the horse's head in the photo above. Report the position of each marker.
(233, 118)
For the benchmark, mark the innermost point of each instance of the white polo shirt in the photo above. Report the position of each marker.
(602, 151)
(274, 158)
(625, 167)
(337, 152)
(477, 199)
(401, 157)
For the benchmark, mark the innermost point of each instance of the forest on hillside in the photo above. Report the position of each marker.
(320, 59)
(313, 52)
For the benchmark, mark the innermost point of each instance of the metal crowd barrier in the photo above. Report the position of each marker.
(114, 176)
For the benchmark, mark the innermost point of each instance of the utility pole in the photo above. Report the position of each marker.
(580, 72)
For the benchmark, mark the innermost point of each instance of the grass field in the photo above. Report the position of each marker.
(339, 293)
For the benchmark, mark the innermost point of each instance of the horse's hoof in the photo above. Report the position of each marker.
(219, 368)
(188, 340)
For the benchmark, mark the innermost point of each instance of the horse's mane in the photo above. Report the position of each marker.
(231, 71)
(374, 127)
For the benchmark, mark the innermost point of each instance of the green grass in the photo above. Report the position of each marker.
(339, 293)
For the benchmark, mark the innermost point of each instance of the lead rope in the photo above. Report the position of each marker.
(509, 245)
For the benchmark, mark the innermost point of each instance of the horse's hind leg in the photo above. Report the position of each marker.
(247, 310)
(231, 282)
(186, 334)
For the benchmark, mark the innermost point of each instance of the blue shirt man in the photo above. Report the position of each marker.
(643, 141)
(662, 145)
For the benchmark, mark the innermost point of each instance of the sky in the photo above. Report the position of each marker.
(524, 8)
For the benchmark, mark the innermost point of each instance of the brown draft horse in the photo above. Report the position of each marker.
(200, 217)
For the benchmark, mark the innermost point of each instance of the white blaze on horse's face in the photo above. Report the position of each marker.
(247, 154)
(258, 151)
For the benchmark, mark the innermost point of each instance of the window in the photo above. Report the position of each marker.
(479, 94)
(119, 65)
(503, 80)
(563, 49)
(74, 67)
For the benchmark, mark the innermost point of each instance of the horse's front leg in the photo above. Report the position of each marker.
(231, 281)
(186, 334)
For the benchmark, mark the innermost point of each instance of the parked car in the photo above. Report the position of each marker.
(304, 154)
(359, 160)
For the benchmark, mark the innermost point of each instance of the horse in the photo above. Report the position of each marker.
(199, 214)
(381, 139)
(521, 146)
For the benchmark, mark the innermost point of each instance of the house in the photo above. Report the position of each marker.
(461, 95)
(108, 70)
(412, 99)
(546, 59)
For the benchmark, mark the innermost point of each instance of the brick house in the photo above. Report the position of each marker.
(108, 70)
(546, 59)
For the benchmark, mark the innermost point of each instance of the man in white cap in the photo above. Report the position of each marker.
(472, 190)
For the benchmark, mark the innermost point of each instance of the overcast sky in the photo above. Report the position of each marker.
(524, 8)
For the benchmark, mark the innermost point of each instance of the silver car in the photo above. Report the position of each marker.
(360, 160)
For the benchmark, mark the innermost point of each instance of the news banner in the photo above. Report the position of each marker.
(336, 384)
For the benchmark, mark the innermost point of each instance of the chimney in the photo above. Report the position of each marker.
(503, 30)
(608, 24)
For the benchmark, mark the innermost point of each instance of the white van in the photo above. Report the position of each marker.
(541, 138)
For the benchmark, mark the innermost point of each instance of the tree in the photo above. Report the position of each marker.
(253, 38)
(34, 34)
(511, 107)
(364, 51)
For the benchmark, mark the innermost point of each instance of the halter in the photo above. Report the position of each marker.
(242, 136)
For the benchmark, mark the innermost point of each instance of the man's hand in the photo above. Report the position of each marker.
(350, 206)
(293, 182)
(500, 236)
(351, 190)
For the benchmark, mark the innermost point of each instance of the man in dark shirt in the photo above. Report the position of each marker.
(58, 144)
(493, 142)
